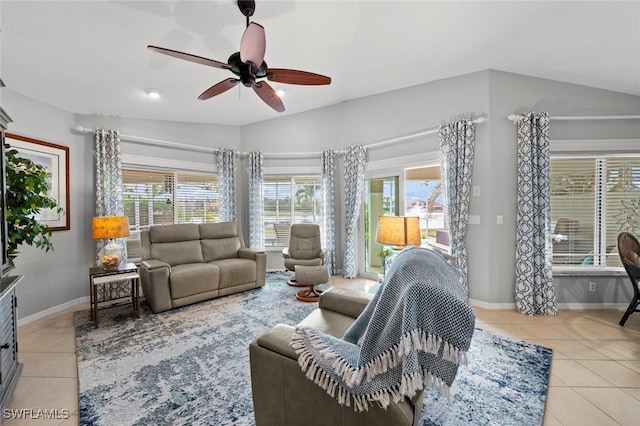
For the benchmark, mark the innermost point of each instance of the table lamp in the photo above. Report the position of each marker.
(399, 231)
(110, 227)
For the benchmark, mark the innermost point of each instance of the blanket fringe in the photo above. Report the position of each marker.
(407, 387)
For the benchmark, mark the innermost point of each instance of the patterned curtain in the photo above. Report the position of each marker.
(227, 183)
(457, 150)
(109, 200)
(256, 201)
(534, 284)
(329, 208)
(355, 160)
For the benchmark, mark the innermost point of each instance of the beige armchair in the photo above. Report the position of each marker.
(284, 396)
(304, 247)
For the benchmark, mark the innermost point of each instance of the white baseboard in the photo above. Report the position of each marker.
(593, 306)
(562, 306)
(473, 302)
(52, 310)
(491, 306)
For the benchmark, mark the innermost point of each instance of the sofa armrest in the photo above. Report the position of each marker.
(152, 264)
(154, 278)
(248, 253)
(277, 340)
(345, 301)
(260, 257)
(323, 253)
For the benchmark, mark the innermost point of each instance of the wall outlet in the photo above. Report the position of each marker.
(500, 219)
(476, 190)
(592, 286)
(474, 219)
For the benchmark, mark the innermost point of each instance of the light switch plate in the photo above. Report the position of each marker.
(500, 219)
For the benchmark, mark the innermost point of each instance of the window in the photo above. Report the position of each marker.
(287, 201)
(165, 197)
(424, 198)
(593, 199)
(380, 199)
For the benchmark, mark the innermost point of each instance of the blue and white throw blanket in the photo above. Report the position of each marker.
(413, 335)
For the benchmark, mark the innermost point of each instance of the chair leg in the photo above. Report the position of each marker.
(631, 309)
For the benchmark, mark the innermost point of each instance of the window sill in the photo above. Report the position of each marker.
(588, 271)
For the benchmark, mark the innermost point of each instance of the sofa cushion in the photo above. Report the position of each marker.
(220, 248)
(193, 278)
(290, 264)
(304, 248)
(329, 322)
(235, 271)
(218, 230)
(177, 253)
(174, 233)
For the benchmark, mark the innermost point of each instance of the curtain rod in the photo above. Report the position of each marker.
(170, 144)
(516, 117)
(415, 135)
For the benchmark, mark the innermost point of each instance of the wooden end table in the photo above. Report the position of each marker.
(99, 278)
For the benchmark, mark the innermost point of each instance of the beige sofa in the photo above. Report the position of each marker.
(284, 396)
(187, 263)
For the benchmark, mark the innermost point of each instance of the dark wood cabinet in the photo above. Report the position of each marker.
(10, 368)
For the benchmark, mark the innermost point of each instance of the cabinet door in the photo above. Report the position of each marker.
(8, 358)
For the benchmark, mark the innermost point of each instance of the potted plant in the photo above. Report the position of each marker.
(383, 257)
(26, 196)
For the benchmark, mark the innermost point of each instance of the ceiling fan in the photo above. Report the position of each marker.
(249, 66)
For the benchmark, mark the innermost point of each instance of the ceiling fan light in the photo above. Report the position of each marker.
(253, 44)
(280, 93)
(153, 93)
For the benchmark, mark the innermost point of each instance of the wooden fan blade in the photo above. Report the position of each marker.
(269, 96)
(283, 75)
(189, 57)
(218, 88)
(253, 44)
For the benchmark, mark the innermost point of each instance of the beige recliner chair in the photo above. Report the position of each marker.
(304, 247)
(284, 396)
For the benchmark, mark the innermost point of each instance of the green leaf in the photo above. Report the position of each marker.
(26, 196)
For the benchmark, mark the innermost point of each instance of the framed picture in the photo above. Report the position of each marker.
(55, 158)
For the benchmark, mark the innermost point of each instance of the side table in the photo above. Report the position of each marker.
(99, 277)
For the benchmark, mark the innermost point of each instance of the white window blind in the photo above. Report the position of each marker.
(592, 201)
(153, 197)
(289, 200)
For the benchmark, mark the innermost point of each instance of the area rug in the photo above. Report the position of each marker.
(191, 366)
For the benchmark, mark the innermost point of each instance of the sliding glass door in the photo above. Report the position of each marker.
(423, 198)
(381, 199)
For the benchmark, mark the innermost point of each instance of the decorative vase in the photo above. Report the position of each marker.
(110, 255)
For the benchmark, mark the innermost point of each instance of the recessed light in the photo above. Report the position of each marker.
(280, 93)
(153, 93)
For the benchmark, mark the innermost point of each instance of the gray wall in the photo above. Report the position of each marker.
(496, 161)
(59, 276)
(52, 279)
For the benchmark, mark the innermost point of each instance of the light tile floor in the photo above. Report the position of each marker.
(595, 373)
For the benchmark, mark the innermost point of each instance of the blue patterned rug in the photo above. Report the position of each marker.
(191, 366)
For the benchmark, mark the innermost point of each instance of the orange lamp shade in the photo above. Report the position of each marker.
(399, 231)
(109, 227)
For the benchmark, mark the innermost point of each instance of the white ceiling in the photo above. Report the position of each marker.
(90, 56)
